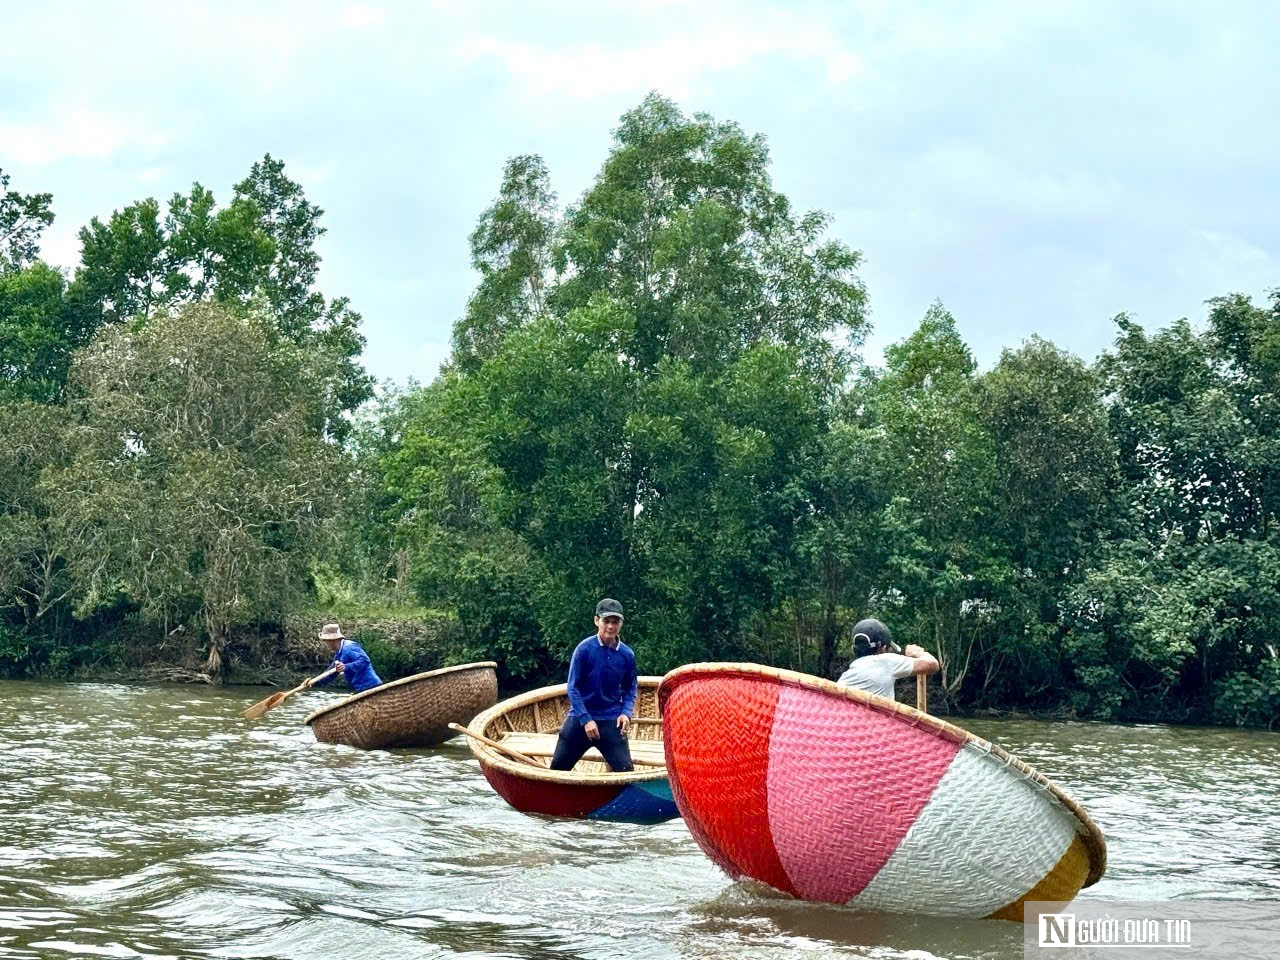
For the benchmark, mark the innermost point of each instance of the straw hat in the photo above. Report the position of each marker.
(331, 631)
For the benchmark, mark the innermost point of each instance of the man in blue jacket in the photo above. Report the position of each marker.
(349, 659)
(602, 695)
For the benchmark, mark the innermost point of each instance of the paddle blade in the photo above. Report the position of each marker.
(262, 706)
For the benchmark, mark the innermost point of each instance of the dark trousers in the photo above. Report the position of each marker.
(574, 742)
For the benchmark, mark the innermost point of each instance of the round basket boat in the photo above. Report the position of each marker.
(530, 723)
(413, 712)
(840, 796)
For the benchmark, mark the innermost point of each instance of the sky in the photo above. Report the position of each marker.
(1038, 166)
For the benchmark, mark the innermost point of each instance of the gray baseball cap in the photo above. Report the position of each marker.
(609, 608)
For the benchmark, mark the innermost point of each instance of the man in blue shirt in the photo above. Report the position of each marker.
(349, 659)
(602, 695)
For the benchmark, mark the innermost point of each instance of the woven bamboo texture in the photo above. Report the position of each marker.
(835, 795)
(413, 712)
(590, 790)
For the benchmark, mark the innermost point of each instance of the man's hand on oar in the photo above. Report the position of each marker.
(279, 697)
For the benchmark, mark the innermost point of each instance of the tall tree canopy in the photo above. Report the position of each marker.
(644, 374)
(38, 328)
(259, 247)
(23, 218)
(195, 481)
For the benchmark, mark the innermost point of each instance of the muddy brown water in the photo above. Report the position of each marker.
(144, 821)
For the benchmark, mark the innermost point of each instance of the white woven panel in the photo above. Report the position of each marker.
(984, 839)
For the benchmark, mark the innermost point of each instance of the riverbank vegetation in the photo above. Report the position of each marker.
(655, 393)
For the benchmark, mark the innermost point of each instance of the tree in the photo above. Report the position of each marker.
(138, 263)
(23, 218)
(1247, 342)
(32, 574)
(440, 515)
(292, 225)
(1056, 492)
(1184, 446)
(195, 482)
(840, 541)
(943, 562)
(40, 328)
(647, 405)
(1175, 611)
(511, 248)
(328, 328)
(256, 253)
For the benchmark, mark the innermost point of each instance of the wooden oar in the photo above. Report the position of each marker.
(515, 754)
(922, 692)
(280, 696)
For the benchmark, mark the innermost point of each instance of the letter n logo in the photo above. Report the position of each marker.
(1057, 929)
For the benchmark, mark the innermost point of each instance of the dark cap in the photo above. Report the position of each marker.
(609, 608)
(870, 634)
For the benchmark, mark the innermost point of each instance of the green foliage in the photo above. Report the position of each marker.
(1248, 699)
(38, 326)
(1184, 592)
(344, 597)
(402, 655)
(139, 262)
(33, 579)
(256, 254)
(1054, 491)
(36, 651)
(511, 248)
(15, 645)
(38, 331)
(635, 388)
(941, 559)
(653, 394)
(23, 218)
(195, 482)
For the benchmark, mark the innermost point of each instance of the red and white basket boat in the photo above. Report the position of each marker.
(836, 795)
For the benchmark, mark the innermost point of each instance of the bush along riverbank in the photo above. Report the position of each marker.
(269, 654)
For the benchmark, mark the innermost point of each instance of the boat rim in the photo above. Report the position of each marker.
(489, 757)
(402, 682)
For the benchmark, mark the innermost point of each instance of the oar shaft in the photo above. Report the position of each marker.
(459, 728)
(313, 681)
(273, 701)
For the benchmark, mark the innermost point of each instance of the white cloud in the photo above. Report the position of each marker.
(308, 176)
(967, 172)
(152, 174)
(75, 132)
(842, 67)
(675, 64)
(359, 15)
(1234, 250)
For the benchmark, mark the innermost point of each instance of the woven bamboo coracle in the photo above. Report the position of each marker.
(413, 712)
(529, 724)
(840, 796)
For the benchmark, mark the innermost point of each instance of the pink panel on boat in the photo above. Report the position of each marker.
(846, 783)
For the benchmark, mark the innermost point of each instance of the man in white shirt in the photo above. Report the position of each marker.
(878, 661)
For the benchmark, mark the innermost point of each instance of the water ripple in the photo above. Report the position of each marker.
(154, 822)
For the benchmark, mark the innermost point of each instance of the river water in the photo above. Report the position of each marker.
(142, 821)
